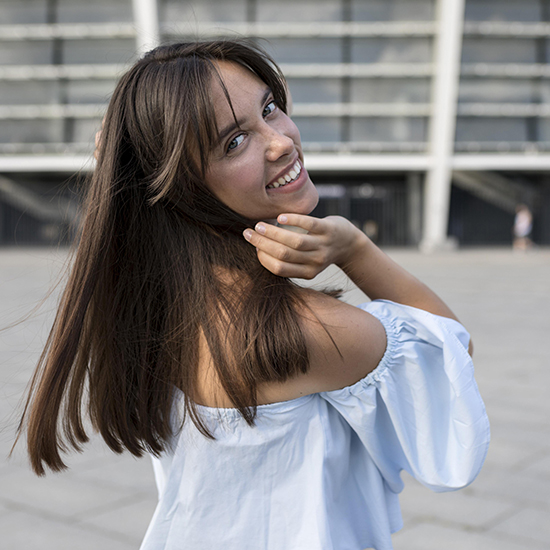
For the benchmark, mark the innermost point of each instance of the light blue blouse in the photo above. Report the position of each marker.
(321, 472)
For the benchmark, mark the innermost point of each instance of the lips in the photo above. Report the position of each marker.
(288, 175)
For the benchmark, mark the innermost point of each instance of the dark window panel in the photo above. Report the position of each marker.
(31, 131)
(388, 129)
(391, 50)
(498, 50)
(318, 129)
(476, 90)
(23, 12)
(396, 10)
(389, 90)
(304, 50)
(109, 50)
(491, 129)
(37, 52)
(308, 11)
(21, 92)
(503, 10)
(96, 11)
(315, 90)
(184, 14)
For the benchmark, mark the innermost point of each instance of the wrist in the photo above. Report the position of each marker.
(359, 246)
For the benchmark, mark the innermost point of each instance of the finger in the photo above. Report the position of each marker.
(293, 239)
(309, 223)
(285, 269)
(279, 251)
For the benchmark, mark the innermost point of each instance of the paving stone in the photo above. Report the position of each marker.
(539, 467)
(129, 521)
(105, 501)
(124, 471)
(23, 531)
(426, 536)
(520, 486)
(460, 507)
(530, 524)
(56, 494)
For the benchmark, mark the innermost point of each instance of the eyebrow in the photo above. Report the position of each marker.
(238, 123)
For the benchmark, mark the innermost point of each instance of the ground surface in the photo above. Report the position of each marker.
(105, 501)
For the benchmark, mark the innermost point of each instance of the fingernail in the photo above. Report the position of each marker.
(260, 228)
(283, 219)
(247, 234)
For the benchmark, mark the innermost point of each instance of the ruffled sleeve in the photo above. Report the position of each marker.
(420, 409)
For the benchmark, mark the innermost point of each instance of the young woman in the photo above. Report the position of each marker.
(279, 417)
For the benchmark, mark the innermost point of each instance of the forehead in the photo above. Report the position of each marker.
(242, 86)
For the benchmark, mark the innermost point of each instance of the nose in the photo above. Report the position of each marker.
(279, 144)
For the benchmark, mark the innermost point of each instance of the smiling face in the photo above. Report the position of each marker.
(257, 167)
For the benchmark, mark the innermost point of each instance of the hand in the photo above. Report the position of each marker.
(330, 240)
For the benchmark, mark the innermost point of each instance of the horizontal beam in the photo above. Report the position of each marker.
(77, 31)
(332, 163)
(302, 29)
(67, 31)
(506, 29)
(55, 72)
(291, 70)
(97, 110)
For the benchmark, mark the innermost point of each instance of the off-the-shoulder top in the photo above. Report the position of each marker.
(321, 472)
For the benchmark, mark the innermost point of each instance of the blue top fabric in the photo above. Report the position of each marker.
(321, 472)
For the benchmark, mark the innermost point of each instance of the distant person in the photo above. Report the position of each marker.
(523, 226)
(278, 417)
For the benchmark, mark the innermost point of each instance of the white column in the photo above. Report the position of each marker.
(447, 53)
(147, 25)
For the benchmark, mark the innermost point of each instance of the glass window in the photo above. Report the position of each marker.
(37, 52)
(544, 129)
(388, 129)
(33, 93)
(84, 130)
(304, 50)
(503, 10)
(392, 10)
(181, 13)
(99, 51)
(390, 90)
(308, 11)
(89, 91)
(318, 129)
(391, 50)
(477, 90)
(98, 11)
(490, 129)
(498, 50)
(315, 90)
(31, 131)
(23, 12)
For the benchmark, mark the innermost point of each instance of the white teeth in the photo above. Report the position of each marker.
(292, 175)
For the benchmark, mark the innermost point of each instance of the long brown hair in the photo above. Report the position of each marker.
(145, 279)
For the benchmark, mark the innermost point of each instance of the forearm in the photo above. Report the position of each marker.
(379, 277)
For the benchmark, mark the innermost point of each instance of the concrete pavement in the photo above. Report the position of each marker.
(105, 501)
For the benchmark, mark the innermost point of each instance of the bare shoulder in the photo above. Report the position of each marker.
(344, 342)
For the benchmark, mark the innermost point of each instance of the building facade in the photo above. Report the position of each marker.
(426, 122)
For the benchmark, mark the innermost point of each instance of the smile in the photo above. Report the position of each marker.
(292, 174)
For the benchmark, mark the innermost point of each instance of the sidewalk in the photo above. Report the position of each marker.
(105, 501)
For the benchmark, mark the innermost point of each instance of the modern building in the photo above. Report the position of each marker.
(425, 121)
